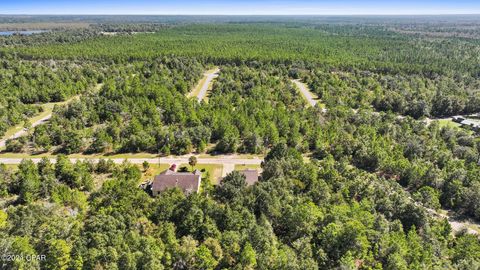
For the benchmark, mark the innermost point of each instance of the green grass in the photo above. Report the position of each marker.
(12, 167)
(47, 109)
(447, 123)
(153, 170)
(196, 90)
(214, 171)
(240, 167)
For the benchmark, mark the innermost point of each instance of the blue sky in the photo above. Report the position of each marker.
(248, 7)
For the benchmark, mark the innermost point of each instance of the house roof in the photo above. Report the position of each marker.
(188, 182)
(251, 176)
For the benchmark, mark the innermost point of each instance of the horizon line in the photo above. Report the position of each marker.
(213, 14)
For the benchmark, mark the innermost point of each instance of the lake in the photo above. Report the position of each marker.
(28, 32)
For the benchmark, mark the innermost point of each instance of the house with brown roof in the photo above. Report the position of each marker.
(187, 182)
(251, 176)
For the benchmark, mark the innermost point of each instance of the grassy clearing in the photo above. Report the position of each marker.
(447, 123)
(239, 167)
(11, 167)
(153, 170)
(214, 171)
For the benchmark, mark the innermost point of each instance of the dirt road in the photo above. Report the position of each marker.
(24, 131)
(49, 108)
(457, 226)
(201, 89)
(309, 96)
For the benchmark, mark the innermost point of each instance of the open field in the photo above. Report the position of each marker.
(240, 167)
(214, 171)
(12, 167)
(154, 169)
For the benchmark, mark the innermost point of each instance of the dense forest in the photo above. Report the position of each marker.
(324, 214)
(351, 186)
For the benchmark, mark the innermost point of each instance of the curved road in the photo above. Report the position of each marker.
(41, 120)
(24, 131)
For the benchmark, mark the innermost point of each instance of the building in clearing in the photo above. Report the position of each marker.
(251, 176)
(186, 181)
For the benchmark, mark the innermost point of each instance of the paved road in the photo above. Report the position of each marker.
(24, 131)
(306, 92)
(166, 160)
(210, 76)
